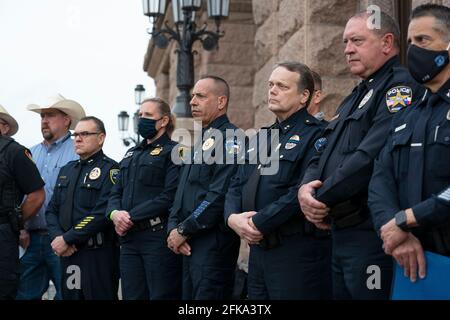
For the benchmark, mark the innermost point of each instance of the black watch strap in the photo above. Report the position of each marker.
(401, 221)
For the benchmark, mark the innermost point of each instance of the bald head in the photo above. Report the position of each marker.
(220, 87)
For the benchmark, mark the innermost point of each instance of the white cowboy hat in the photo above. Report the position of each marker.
(13, 125)
(70, 107)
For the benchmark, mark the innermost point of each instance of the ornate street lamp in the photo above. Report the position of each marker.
(185, 33)
(124, 118)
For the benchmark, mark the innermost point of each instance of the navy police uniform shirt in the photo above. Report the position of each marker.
(18, 166)
(413, 170)
(147, 181)
(274, 196)
(200, 197)
(358, 131)
(77, 208)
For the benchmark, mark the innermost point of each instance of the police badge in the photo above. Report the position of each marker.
(208, 144)
(95, 173)
(292, 142)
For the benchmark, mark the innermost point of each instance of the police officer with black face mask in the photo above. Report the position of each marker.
(18, 177)
(139, 207)
(409, 194)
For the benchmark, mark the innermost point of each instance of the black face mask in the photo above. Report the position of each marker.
(147, 128)
(425, 64)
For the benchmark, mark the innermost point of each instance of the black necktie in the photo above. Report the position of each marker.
(417, 150)
(250, 189)
(65, 215)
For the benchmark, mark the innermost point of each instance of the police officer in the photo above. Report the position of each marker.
(314, 108)
(411, 209)
(139, 207)
(80, 233)
(196, 228)
(18, 177)
(288, 259)
(336, 183)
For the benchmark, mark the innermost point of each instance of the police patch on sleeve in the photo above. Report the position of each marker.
(28, 154)
(398, 98)
(113, 175)
(232, 146)
(320, 144)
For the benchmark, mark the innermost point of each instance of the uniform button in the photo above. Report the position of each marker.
(447, 139)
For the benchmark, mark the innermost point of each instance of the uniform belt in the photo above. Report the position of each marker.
(154, 224)
(291, 227)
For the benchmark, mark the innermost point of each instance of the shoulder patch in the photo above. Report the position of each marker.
(398, 98)
(232, 146)
(113, 175)
(320, 144)
(28, 154)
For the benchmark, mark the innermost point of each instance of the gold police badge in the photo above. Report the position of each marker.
(208, 144)
(95, 173)
(156, 151)
(398, 98)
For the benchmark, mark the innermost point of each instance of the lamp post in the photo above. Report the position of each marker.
(185, 33)
(124, 118)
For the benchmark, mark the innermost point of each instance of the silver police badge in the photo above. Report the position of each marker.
(366, 99)
(398, 98)
(95, 173)
(448, 115)
(292, 142)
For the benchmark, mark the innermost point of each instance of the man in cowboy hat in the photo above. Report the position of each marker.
(8, 125)
(40, 263)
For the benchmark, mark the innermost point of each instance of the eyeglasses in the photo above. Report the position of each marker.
(83, 134)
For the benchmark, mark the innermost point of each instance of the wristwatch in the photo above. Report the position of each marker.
(400, 220)
(181, 231)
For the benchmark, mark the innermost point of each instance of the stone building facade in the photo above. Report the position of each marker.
(259, 33)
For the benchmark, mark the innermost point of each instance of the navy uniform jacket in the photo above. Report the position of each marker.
(275, 199)
(200, 196)
(357, 133)
(93, 178)
(147, 181)
(16, 165)
(392, 185)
